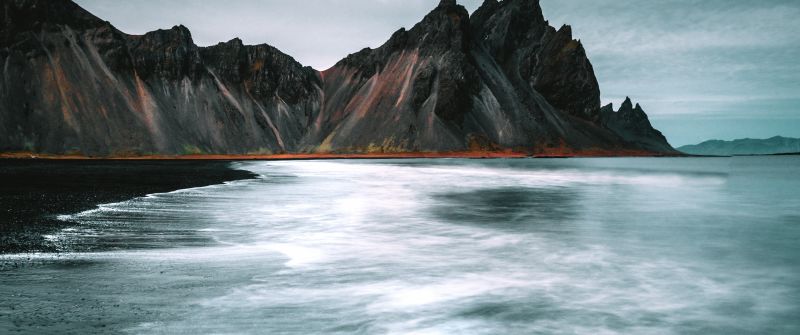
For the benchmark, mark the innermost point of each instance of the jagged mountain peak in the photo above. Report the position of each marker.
(501, 79)
(632, 123)
(177, 34)
(447, 3)
(627, 104)
(530, 8)
(22, 19)
(35, 12)
(236, 41)
(531, 52)
(450, 7)
(566, 30)
(182, 30)
(446, 26)
(628, 107)
(182, 58)
(266, 71)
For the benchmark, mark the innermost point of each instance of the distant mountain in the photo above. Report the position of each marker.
(747, 146)
(500, 79)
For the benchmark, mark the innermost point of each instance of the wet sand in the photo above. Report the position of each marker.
(37, 187)
(34, 192)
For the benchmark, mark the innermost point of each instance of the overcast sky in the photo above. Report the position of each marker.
(721, 69)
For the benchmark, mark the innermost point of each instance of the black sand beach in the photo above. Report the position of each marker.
(34, 192)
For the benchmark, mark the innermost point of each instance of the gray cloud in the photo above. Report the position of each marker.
(711, 68)
(695, 65)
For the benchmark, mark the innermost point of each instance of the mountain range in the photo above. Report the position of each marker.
(501, 79)
(747, 146)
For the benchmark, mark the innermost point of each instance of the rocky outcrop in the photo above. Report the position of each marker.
(532, 53)
(411, 94)
(632, 125)
(74, 83)
(501, 79)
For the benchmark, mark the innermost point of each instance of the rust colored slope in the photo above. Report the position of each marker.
(461, 154)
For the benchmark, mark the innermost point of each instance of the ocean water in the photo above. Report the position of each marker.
(528, 246)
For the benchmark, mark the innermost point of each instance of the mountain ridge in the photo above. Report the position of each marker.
(744, 146)
(493, 81)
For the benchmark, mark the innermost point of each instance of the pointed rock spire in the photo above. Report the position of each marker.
(627, 104)
(448, 3)
(566, 29)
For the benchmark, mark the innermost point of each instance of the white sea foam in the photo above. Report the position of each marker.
(412, 248)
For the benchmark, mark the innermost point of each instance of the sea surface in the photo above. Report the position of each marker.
(524, 246)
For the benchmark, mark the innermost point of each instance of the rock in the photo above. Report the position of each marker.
(530, 51)
(85, 87)
(166, 54)
(631, 123)
(410, 94)
(502, 79)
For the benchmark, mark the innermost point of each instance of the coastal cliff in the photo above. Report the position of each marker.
(499, 80)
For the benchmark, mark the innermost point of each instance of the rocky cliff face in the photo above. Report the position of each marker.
(502, 79)
(532, 53)
(411, 94)
(74, 83)
(631, 124)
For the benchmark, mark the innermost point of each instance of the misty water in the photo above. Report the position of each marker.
(633, 246)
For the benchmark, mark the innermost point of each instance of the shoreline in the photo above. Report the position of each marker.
(338, 156)
(38, 187)
(34, 192)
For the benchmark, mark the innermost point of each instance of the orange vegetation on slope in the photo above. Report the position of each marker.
(554, 153)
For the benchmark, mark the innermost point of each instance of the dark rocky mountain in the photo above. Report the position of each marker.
(501, 79)
(72, 82)
(632, 124)
(747, 146)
